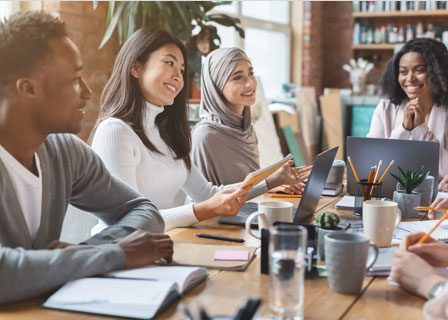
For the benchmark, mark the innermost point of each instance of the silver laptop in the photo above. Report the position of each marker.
(310, 197)
(408, 154)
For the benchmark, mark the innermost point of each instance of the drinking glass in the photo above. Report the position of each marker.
(287, 250)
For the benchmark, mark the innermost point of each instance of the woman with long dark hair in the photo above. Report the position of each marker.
(143, 135)
(415, 83)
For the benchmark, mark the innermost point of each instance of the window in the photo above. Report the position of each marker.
(5, 9)
(267, 41)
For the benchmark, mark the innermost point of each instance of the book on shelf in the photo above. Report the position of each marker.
(137, 293)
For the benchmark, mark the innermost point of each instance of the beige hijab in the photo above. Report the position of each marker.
(224, 145)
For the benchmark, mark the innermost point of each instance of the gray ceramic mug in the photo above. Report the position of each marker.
(346, 258)
(426, 190)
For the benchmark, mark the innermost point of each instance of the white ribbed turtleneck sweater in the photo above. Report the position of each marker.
(157, 176)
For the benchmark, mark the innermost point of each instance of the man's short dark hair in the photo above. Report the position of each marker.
(24, 42)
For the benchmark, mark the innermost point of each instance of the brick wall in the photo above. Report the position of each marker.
(312, 71)
(86, 28)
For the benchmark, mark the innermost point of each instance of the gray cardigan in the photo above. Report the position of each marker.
(71, 173)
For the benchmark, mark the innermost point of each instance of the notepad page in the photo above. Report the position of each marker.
(111, 296)
(183, 276)
(405, 228)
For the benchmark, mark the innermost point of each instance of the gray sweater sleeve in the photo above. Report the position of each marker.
(72, 173)
(28, 273)
(110, 199)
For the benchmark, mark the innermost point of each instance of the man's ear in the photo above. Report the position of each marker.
(135, 69)
(25, 87)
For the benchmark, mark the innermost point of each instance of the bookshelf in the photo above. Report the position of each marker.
(393, 14)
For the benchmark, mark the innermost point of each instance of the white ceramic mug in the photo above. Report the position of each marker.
(380, 218)
(268, 213)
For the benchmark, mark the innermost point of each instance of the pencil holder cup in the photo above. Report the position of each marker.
(366, 191)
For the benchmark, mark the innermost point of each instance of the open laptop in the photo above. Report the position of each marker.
(408, 154)
(310, 197)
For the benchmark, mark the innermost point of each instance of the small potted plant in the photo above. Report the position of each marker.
(327, 222)
(407, 199)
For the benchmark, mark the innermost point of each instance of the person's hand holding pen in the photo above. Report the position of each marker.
(432, 251)
(438, 204)
(411, 269)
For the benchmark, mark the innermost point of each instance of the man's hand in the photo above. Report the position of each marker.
(142, 248)
(432, 251)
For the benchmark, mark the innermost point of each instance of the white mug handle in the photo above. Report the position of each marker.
(249, 219)
(398, 187)
(398, 217)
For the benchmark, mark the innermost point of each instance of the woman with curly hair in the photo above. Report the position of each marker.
(416, 84)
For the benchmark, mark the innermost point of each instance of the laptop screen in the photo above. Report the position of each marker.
(315, 185)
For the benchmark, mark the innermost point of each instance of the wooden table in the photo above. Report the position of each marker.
(225, 292)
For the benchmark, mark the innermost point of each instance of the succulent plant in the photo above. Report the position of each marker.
(327, 220)
(410, 180)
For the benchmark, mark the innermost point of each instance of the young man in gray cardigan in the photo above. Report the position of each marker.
(44, 168)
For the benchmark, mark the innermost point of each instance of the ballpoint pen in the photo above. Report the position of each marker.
(215, 237)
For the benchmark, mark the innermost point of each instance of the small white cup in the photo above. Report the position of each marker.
(268, 213)
(380, 218)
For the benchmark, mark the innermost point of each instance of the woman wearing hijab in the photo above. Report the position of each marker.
(143, 137)
(225, 145)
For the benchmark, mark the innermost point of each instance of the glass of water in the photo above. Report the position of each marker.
(287, 249)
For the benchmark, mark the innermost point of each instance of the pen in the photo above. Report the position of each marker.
(215, 237)
(426, 236)
(277, 195)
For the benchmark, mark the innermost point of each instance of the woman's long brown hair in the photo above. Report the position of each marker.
(123, 99)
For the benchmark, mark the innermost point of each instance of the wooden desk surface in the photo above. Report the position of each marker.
(225, 292)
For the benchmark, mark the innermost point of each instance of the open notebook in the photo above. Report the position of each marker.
(137, 293)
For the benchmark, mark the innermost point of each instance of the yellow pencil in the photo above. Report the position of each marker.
(277, 195)
(378, 171)
(387, 170)
(353, 168)
(426, 236)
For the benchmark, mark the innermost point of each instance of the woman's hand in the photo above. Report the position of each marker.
(414, 114)
(288, 175)
(413, 273)
(224, 203)
(432, 251)
(56, 244)
(289, 189)
(443, 185)
(438, 204)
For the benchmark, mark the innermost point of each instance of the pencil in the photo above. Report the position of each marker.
(429, 208)
(353, 168)
(276, 195)
(378, 171)
(426, 236)
(387, 170)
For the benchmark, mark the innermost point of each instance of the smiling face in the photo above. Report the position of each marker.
(161, 78)
(413, 76)
(60, 93)
(240, 88)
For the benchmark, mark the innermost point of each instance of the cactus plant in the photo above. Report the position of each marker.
(327, 220)
(410, 180)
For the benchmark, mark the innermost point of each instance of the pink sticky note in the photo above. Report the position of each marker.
(231, 255)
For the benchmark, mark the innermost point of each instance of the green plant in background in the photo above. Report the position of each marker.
(410, 180)
(188, 21)
(327, 220)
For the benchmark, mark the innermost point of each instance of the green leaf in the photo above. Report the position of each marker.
(113, 23)
(196, 8)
